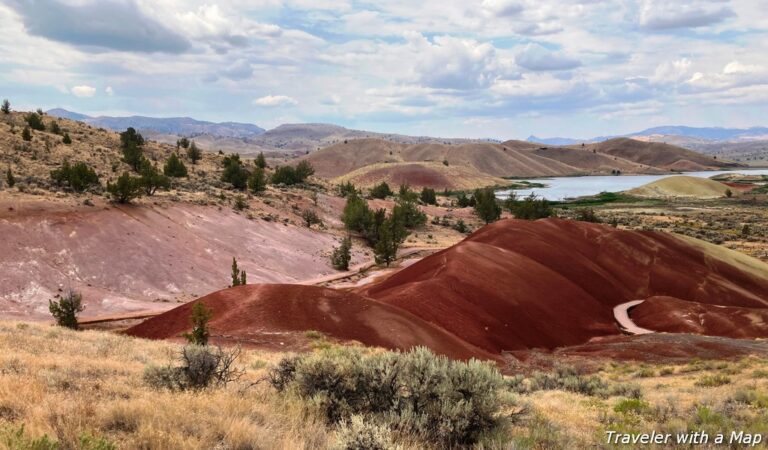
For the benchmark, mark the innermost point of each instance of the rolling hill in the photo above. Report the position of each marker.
(367, 161)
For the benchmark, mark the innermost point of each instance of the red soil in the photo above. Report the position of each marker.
(673, 315)
(551, 283)
(277, 315)
(661, 348)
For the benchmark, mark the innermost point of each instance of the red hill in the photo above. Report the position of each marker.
(551, 283)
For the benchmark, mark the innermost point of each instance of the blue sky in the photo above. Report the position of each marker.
(488, 68)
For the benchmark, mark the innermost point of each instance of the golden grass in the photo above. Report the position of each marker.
(65, 384)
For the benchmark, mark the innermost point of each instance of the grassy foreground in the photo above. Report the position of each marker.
(86, 390)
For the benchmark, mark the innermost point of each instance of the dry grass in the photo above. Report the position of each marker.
(67, 384)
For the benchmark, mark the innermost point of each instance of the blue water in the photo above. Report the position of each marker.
(562, 188)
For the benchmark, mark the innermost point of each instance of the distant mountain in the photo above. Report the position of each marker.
(247, 139)
(181, 126)
(555, 140)
(671, 132)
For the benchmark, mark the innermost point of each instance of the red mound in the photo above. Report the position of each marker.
(550, 283)
(277, 315)
(678, 316)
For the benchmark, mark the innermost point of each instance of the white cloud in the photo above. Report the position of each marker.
(109, 91)
(536, 57)
(667, 15)
(453, 63)
(83, 91)
(272, 101)
(671, 72)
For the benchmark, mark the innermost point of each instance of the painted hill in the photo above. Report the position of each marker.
(279, 315)
(682, 186)
(552, 283)
(507, 159)
(511, 286)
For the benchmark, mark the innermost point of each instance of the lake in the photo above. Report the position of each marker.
(562, 188)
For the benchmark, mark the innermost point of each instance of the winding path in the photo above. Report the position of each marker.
(621, 313)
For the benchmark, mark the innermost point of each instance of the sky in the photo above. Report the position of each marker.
(480, 69)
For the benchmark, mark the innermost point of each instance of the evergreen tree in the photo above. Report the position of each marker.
(243, 280)
(183, 143)
(66, 309)
(391, 234)
(174, 167)
(35, 121)
(77, 177)
(200, 317)
(236, 275)
(257, 181)
(310, 217)
(125, 189)
(10, 180)
(26, 134)
(428, 196)
(193, 153)
(356, 215)
(531, 208)
(408, 213)
(261, 163)
(381, 190)
(406, 194)
(486, 206)
(66, 139)
(6, 108)
(341, 255)
(347, 188)
(234, 172)
(132, 143)
(54, 127)
(303, 170)
(151, 179)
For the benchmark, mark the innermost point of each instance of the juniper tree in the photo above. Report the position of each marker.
(151, 179)
(200, 317)
(261, 163)
(131, 143)
(10, 180)
(26, 134)
(66, 309)
(486, 206)
(125, 189)
(6, 107)
(35, 121)
(428, 196)
(193, 153)
(341, 255)
(257, 181)
(238, 277)
(66, 139)
(174, 167)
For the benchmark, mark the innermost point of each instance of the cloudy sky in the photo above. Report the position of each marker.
(455, 68)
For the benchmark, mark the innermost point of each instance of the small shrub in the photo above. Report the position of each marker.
(240, 203)
(310, 217)
(713, 380)
(443, 401)
(16, 438)
(201, 367)
(631, 406)
(645, 372)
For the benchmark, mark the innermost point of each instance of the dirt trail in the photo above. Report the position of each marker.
(621, 313)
